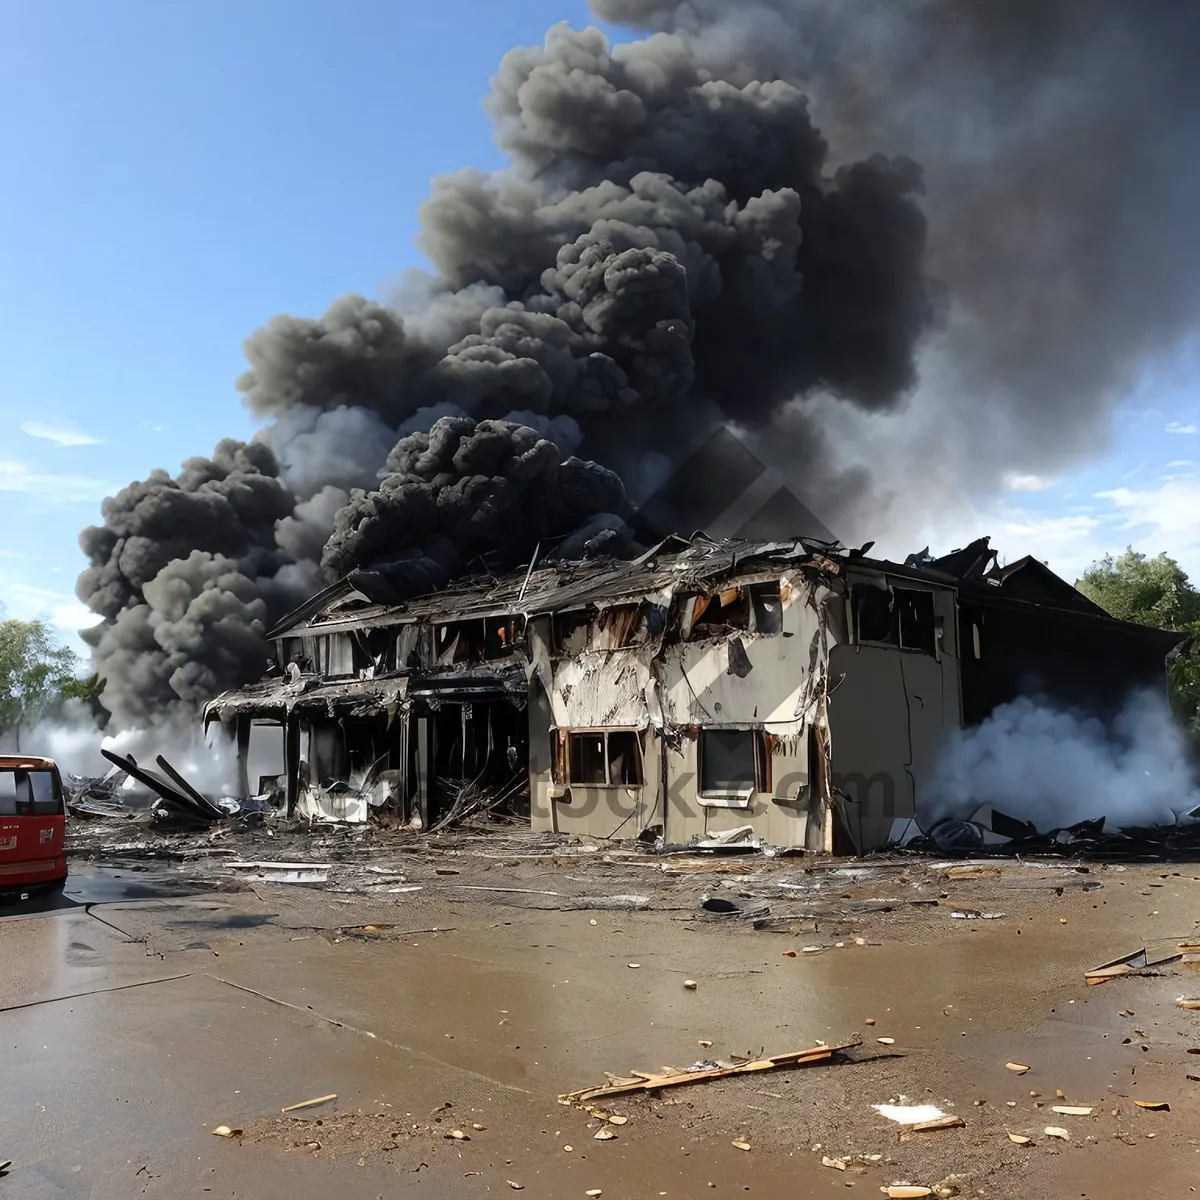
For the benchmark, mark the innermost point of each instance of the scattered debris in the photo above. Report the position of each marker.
(906, 1191)
(947, 1122)
(604, 1135)
(1056, 1131)
(740, 1145)
(973, 914)
(690, 984)
(622, 903)
(1154, 1105)
(1187, 1002)
(1019, 1139)
(280, 872)
(886, 1041)
(1130, 964)
(225, 1132)
(1072, 1110)
(611, 1118)
(909, 1114)
(183, 803)
(838, 1164)
(310, 1103)
(639, 1081)
(972, 871)
(742, 838)
(1018, 1068)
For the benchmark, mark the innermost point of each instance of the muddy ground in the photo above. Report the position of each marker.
(463, 984)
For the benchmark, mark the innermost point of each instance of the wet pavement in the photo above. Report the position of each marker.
(151, 1017)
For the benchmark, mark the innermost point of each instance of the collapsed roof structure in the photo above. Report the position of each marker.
(793, 692)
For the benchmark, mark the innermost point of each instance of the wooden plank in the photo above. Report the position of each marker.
(643, 1082)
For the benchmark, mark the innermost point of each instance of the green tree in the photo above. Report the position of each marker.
(35, 671)
(1155, 591)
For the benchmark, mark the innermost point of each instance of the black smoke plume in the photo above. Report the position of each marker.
(1057, 141)
(700, 221)
(665, 237)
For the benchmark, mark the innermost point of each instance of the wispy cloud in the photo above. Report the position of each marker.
(68, 489)
(1180, 427)
(29, 602)
(1028, 483)
(60, 435)
(1169, 510)
(1179, 462)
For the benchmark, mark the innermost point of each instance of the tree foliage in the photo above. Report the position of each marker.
(1155, 591)
(35, 673)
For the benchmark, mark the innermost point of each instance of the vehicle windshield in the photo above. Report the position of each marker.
(32, 792)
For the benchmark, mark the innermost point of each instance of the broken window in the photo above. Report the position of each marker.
(729, 609)
(616, 626)
(291, 650)
(733, 762)
(609, 757)
(624, 757)
(461, 641)
(569, 632)
(501, 634)
(403, 651)
(916, 620)
(873, 616)
(900, 616)
(767, 605)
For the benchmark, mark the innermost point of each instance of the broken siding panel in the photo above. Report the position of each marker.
(601, 689)
(615, 627)
(771, 680)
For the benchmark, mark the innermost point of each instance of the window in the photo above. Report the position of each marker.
(729, 609)
(733, 762)
(606, 757)
(335, 654)
(899, 616)
(768, 608)
(917, 628)
(291, 650)
(28, 794)
(873, 614)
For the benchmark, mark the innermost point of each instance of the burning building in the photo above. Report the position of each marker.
(794, 692)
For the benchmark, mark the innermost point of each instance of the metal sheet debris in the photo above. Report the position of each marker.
(275, 872)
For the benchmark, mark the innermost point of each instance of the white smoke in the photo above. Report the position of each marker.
(1054, 768)
(72, 738)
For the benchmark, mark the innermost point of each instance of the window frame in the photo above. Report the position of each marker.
(741, 797)
(29, 807)
(568, 757)
(895, 606)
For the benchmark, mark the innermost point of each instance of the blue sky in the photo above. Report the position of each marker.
(177, 174)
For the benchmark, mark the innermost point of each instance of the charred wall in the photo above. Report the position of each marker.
(1087, 664)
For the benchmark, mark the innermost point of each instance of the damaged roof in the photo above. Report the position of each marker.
(360, 598)
(697, 562)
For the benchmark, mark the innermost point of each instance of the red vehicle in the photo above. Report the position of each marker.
(33, 824)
